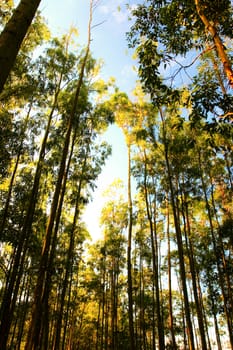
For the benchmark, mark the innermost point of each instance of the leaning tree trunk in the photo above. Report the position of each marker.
(220, 48)
(13, 34)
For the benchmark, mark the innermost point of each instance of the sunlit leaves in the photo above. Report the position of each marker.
(165, 31)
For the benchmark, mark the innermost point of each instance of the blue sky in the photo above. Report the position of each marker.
(109, 43)
(109, 38)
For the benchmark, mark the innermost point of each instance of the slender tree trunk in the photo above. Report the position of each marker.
(24, 314)
(142, 305)
(106, 324)
(199, 291)
(112, 297)
(13, 34)
(218, 74)
(70, 311)
(98, 327)
(141, 301)
(153, 318)
(217, 333)
(129, 263)
(171, 318)
(116, 301)
(212, 30)
(103, 305)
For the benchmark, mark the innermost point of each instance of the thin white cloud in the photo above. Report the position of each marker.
(121, 16)
(115, 11)
(104, 9)
(129, 71)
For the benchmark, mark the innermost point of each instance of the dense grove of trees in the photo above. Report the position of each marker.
(161, 276)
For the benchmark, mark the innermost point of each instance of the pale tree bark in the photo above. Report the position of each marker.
(171, 316)
(13, 34)
(129, 248)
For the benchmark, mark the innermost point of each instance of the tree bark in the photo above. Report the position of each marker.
(13, 34)
(171, 317)
(129, 265)
(218, 43)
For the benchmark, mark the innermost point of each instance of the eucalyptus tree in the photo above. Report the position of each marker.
(165, 31)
